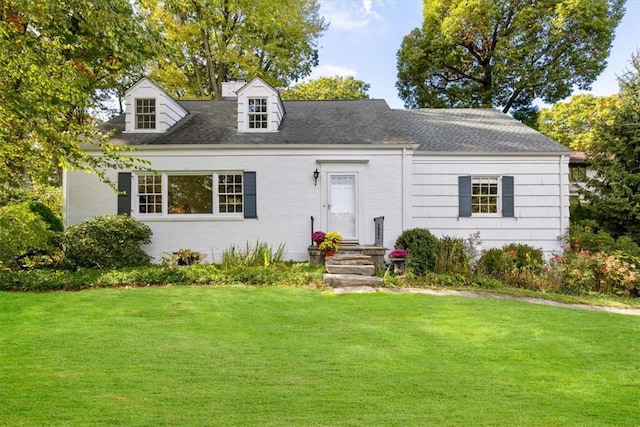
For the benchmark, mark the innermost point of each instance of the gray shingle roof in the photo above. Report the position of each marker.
(479, 130)
(306, 122)
(353, 122)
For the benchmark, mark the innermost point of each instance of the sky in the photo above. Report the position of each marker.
(364, 36)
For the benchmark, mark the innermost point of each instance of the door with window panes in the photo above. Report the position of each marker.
(342, 205)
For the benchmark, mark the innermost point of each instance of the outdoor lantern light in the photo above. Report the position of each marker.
(316, 175)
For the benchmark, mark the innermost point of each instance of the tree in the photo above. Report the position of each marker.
(613, 195)
(573, 123)
(210, 41)
(504, 53)
(325, 88)
(53, 62)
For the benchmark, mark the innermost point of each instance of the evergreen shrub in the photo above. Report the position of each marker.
(110, 241)
(422, 247)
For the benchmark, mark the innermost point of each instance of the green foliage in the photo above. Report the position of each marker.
(261, 254)
(207, 43)
(109, 241)
(22, 234)
(614, 193)
(53, 62)
(46, 213)
(573, 123)
(422, 247)
(328, 88)
(296, 274)
(452, 256)
(516, 265)
(478, 53)
(183, 257)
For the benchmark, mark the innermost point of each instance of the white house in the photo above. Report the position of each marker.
(253, 167)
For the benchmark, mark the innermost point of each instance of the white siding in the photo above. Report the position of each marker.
(286, 197)
(168, 111)
(540, 192)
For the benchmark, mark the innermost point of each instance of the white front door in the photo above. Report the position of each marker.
(342, 205)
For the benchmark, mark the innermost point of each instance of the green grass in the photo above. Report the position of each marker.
(294, 356)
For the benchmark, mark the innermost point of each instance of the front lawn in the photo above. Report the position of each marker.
(297, 356)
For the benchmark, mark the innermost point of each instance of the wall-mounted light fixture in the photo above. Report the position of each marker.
(316, 175)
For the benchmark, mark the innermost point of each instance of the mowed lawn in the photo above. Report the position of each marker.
(196, 356)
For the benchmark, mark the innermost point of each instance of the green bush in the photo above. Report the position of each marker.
(183, 257)
(422, 247)
(516, 265)
(110, 241)
(452, 256)
(492, 263)
(24, 236)
(48, 216)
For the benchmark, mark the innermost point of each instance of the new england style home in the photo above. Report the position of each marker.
(255, 168)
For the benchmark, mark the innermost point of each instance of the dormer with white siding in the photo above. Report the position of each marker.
(149, 109)
(260, 108)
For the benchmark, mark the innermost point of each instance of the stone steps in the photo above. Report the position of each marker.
(350, 270)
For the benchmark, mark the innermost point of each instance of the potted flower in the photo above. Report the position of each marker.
(328, 247)
(318, 237)
(398, 258)
(331, 242)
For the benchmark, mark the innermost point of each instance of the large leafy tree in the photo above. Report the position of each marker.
(613, 195)
(325, 88)
(504, 53)
(210, 41)
(55, 57)
(573, 123)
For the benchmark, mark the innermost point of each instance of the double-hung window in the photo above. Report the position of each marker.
(258, 114)
(485, 196)
(145, 113)
(173, 194)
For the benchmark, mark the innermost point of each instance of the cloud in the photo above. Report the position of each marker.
(349, 15)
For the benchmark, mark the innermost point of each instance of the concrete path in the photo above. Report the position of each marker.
(473, 294)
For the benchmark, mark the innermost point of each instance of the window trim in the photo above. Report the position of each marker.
(215, 214)
(153, 117)
(476, 180)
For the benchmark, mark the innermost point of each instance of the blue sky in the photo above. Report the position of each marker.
(365, 35)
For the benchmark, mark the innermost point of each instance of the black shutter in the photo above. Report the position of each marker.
(250, 205)
(507, 196)
(464, 196)
(124, 196)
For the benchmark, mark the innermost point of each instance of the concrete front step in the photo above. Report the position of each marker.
(352, 280)
(363, 270)
(348, 259)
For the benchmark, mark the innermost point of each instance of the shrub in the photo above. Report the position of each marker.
(580, 272)
(516, 265)
(110, 241)
(183, 257)
(23, 235)
(452, 256)
(422, 247)
(48, 216)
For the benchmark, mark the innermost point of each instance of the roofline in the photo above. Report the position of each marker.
(183, 147)
(492, 153)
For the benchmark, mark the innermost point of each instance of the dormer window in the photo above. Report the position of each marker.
(146, 113)
(258, 114)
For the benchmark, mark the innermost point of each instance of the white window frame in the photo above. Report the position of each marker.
(254, 111)
(485, 179)
(145, 115)
(165, 196)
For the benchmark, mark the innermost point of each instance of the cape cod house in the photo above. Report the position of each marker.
(255, 168)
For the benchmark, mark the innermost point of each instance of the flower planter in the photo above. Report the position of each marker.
(398, 265)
